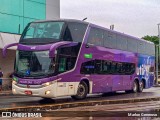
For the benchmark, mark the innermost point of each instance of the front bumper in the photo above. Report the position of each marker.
(41, 92)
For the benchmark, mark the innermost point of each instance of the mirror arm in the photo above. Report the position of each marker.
(52, 51)
(4, 52)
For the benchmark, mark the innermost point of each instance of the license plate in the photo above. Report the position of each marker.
(28, 92)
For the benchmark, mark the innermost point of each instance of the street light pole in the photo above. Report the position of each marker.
(157, 54)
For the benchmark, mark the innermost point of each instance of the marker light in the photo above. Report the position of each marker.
(14, 82)
(47, 92)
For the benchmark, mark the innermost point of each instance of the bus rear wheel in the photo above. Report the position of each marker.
(81, 92)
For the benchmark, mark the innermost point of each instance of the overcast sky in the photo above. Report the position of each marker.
(134, 17)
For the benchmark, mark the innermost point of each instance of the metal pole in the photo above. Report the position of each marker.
(157, 54)
(156, 82)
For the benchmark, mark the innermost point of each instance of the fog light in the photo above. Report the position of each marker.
(14, 90)
(47, 92)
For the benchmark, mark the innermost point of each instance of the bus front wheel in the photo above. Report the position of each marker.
(134, 88)
(141, 86)
(81, 92)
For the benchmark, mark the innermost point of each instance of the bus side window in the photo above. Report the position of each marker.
(98, 66)
(113, 67)
(87, 67)
(67, 35)
(133, 68)
(96, 37)
(106, 67)
(119, 68)
(123, 70)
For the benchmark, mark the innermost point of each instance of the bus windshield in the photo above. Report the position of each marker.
(44, 30)
(54, 31)
(34, 64)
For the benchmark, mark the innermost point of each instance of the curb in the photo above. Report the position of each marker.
(78, 104)
(157, 85)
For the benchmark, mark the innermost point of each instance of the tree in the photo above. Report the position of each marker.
(153, 39)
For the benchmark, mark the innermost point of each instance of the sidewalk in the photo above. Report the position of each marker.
(8, 92)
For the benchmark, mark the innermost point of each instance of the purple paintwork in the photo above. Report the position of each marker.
(50, 47)
(35, 81)
(101, 83)
(8, 46)
(57, 45)
(34, 47)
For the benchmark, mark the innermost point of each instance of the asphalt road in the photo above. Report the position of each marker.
(12, 101)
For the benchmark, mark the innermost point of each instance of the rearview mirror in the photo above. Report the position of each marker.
(53, 52)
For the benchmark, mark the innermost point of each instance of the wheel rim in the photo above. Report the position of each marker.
(81, 90)
(135, 87)
(141, 86)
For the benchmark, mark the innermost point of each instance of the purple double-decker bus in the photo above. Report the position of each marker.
(75, 58)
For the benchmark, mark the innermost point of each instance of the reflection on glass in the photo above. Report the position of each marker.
(34, 64)
(44, 30)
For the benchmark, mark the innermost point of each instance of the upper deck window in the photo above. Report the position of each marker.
(44, 30)
(53, 31)
(96, 37)
(74, 32)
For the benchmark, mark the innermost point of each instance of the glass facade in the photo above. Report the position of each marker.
(15, 14)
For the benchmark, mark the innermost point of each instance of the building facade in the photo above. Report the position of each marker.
(14, 16)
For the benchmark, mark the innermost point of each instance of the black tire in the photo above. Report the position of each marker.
(81, 92)
(134, 88)
(141, 87)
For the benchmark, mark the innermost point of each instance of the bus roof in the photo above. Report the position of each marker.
(63, 20)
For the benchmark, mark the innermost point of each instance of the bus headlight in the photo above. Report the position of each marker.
(47, 84)
(52, 82)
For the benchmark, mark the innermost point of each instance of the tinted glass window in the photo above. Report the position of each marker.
(87, 67)
(121, 42)
(67, 57)
(107, 67)
(113, 67)
(132, 45)
(44, 30)
(74, 32)
(98, 66)
(119, 68)
(141, 47)
(96, 37)
(34, 64)
(110, 40)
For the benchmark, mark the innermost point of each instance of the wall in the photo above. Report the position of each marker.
(7, 66)
(15, 14)
(52, 9)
